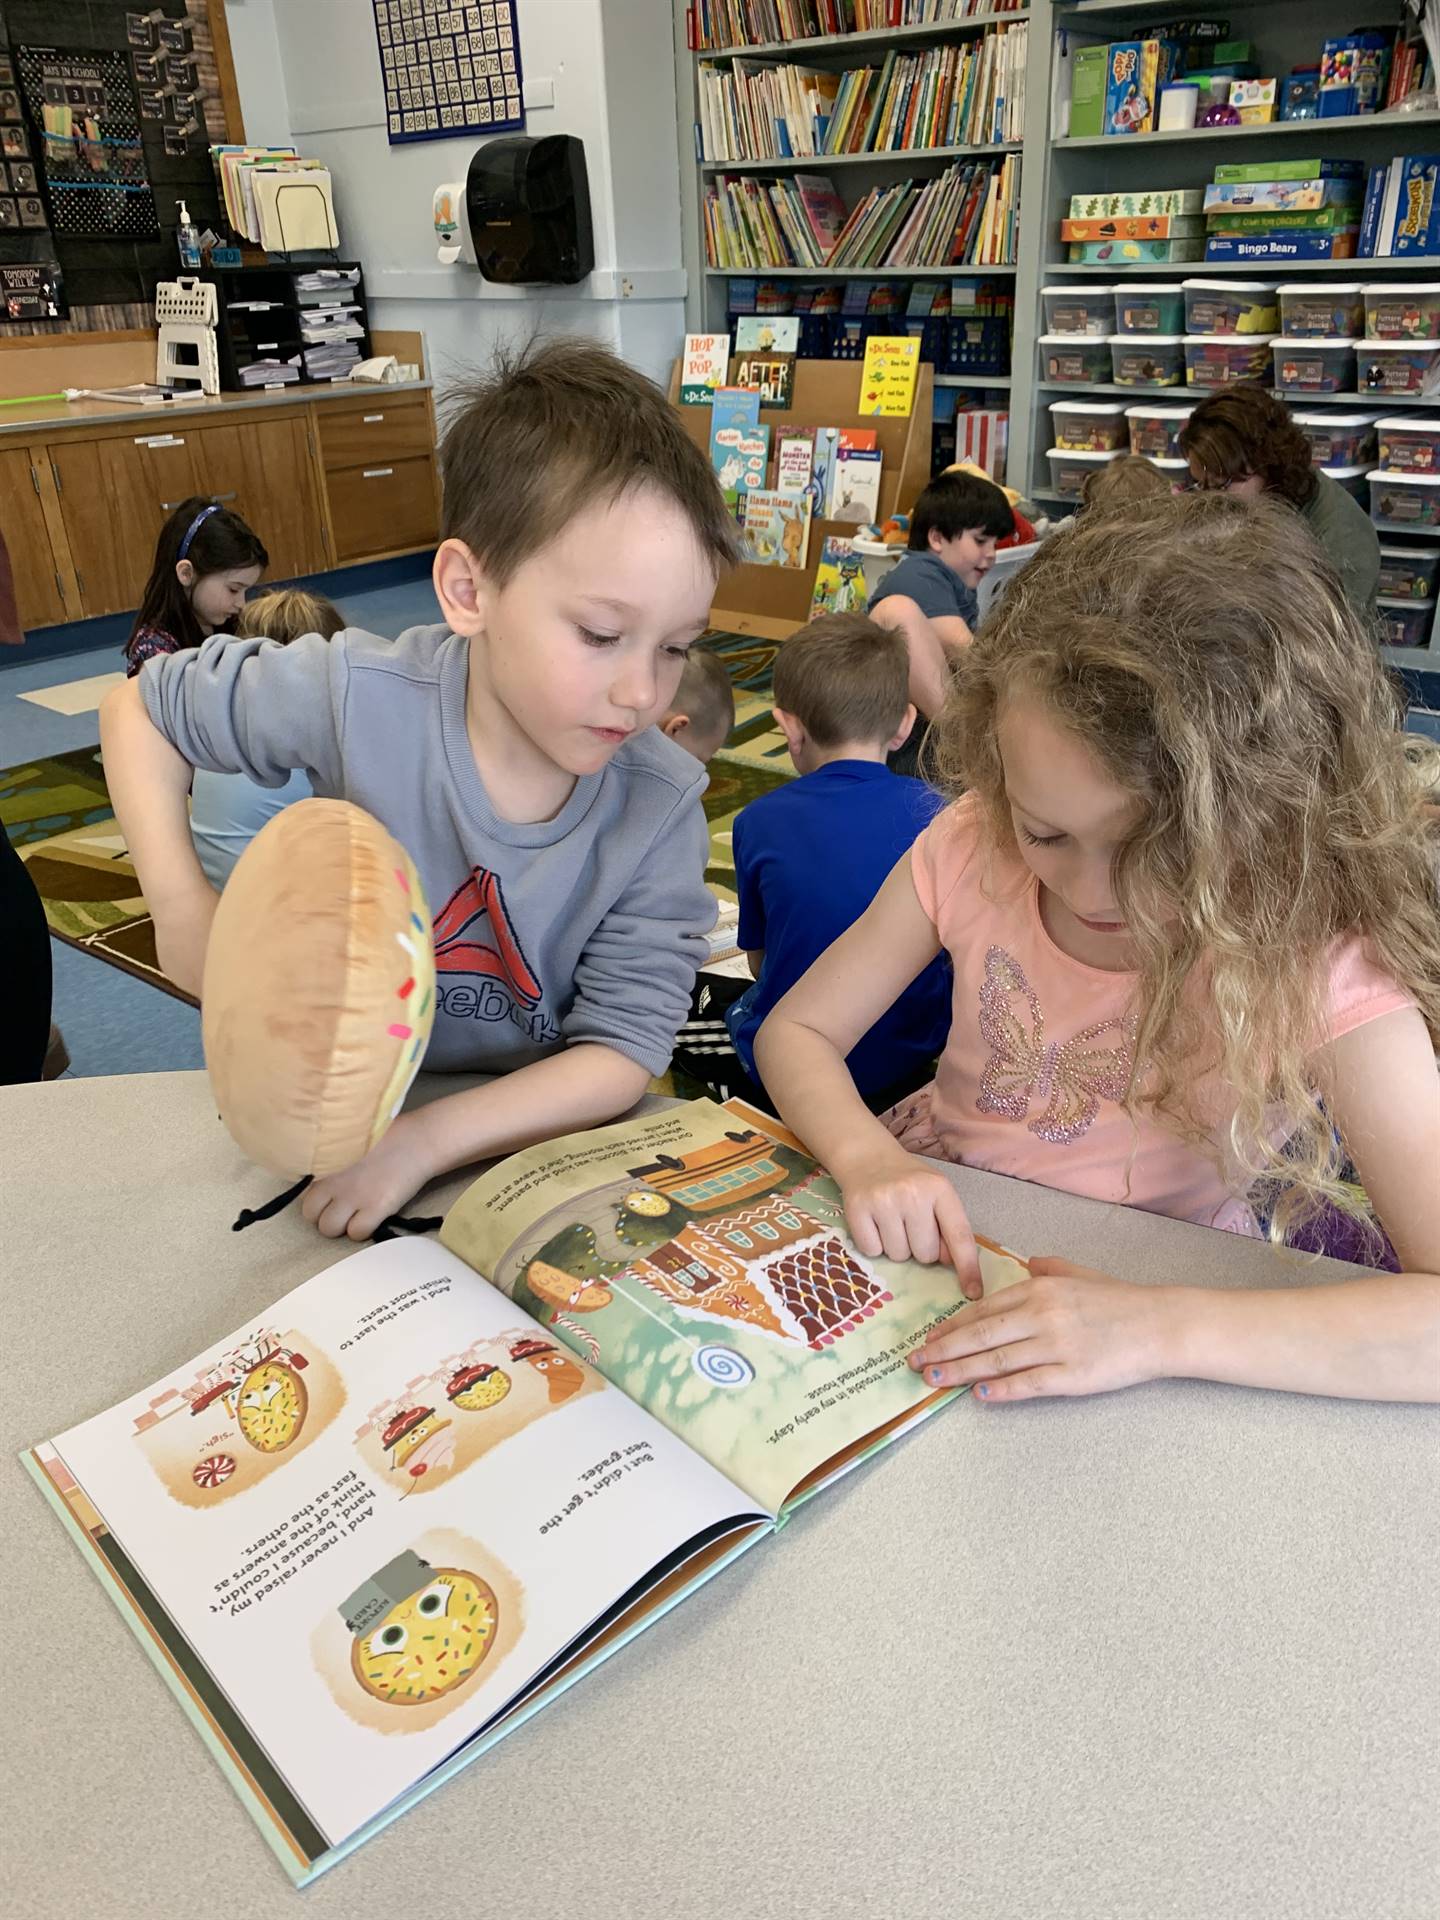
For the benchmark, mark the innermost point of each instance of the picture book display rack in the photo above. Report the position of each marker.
(771, 602)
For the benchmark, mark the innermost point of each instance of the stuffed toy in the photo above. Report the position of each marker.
(319, 988)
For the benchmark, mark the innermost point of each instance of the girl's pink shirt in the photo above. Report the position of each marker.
(1038, 1058)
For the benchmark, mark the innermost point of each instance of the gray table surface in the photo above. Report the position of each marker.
(1167, 1652)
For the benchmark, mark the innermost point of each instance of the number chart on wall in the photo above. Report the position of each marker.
(448, 69)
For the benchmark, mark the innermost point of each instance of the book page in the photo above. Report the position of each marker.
(705, 1268)
(378, 1515)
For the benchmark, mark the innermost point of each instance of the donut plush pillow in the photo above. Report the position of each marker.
(319, 988)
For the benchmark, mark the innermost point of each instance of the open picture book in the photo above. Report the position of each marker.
(364, 1538)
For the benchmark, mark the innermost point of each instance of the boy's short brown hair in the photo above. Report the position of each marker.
(705, 695)
(1119, 482)
(558, 426)
(284, 613)
(845, 679)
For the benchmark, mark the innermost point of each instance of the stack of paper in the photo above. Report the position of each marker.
(270, 373)
(275, 199)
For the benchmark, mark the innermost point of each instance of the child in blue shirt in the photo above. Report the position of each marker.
(930, 596)
(811, 856)
(227, 810)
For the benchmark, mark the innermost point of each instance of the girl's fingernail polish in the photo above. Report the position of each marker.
(935, 1375)
(983, 1391)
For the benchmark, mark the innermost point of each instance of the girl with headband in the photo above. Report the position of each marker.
(206, 561)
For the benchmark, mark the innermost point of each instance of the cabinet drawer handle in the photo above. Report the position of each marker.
(159, 440)
(219, 498)
(377, 473)
(369, 419)
(169, 506)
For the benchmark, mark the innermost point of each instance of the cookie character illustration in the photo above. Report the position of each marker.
(419, 1631)
(562, 1376)
(644, 1219)
(475, 1388)
(271, 1405)
(418, 1440)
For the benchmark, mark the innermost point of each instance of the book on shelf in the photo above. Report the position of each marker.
(839, 578)
(703, 365)
(795, 463)
(771, 375)
(855, 493)
(777, 528)
(767, 333)
(888, 377)
(711, 25)
(376, 1528)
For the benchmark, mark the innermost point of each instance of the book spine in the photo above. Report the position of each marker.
(1370, 218)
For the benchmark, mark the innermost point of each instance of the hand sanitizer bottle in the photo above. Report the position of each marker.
(188, 241)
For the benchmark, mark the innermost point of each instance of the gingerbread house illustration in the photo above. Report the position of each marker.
(768, 1267)
(741, 1167)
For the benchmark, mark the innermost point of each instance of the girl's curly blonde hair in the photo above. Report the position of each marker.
(1203, 651)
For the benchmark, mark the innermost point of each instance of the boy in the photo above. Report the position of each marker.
(929, 597)
(812, 855)
(702, 713)
(513, 751)
(1120, 484)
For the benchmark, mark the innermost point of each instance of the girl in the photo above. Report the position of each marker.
(206, 561)
(227, 810)
(1189, 890)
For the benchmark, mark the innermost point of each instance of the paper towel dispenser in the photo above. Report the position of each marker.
(523, 214)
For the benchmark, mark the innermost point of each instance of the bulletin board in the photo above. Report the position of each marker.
(449, 69)
(107, 112)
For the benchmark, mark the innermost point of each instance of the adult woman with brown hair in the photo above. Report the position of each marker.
(1244, 441)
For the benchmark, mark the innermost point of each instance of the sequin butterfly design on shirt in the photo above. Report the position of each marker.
(1070, 1077)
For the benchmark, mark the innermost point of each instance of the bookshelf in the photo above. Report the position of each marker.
(1287, 34)
(854, 174)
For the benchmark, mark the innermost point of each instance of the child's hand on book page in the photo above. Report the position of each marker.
(1065, 1330)
(907, 1211)
(356, 1201)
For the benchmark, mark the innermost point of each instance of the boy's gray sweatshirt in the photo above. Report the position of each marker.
(587, 927)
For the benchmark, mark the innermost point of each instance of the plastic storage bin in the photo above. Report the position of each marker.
(1147, 359)
(1089, 310)
(1397, 366)
(1405, 623)
(1320, 312)
(1355, 481)
(1409, 500)
(1409, 443)
(1408, 573)
(1070, 470)
(1150, 308)
(1407, 311)
(1089, 426)
(1175, 470)
(1313, 366)
(1231, 306)
(1220, 360)
(1155, 431)
(1075, 359)
(1339, 439)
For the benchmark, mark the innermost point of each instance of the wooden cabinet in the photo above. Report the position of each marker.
(379, 476)
(361, 436)
(323, 484)
(110, 530)
(39, 583)
(381, 509)
(263, 470)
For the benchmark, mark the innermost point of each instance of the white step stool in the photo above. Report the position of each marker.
(186, 311)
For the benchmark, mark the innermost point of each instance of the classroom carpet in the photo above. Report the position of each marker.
(57, 813)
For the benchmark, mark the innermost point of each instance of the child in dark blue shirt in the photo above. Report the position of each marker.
(930, 596)
(811, 856)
